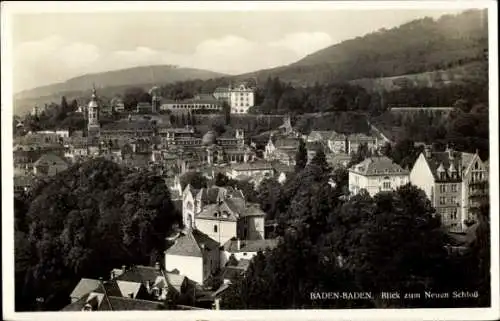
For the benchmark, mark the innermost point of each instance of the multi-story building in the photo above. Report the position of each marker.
(355, 140)
(282, 149)
(239, 98)
(453, 181)
(376, 174)
(200, 104)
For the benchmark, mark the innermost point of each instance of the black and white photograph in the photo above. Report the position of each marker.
(256, 160)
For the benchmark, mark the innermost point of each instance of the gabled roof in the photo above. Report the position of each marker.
(127, 304)
(218, 212)
(252, 209)
(140, 274)
(189, 244)
(380, 165)
(49, 160)
(85, 286)
(444, 160)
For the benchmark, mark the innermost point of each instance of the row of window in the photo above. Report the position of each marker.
(194, 106)
(452, 188)
(452, 200)
(449, 213)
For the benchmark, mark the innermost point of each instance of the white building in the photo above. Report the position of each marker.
(452, 181)
(239, 98)
(194, 254)
(376, 174)
(245, 249)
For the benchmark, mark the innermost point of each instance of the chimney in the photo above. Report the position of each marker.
(238, 244)
(124, 268)
(157, 266)
(217, 304)
(427, 151)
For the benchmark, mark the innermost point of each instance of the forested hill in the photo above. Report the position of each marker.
(123, 77)
(418, 46)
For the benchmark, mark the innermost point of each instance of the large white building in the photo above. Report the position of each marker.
(376, 174)
(453, 182)
(239, 98)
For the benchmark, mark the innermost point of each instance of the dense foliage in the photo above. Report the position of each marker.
(391, 242)
(82, 223)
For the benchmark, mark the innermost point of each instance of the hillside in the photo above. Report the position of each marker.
(434, 79)
(137, 76)
(418, 46)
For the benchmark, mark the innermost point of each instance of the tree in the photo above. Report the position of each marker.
(196, 179)
(71, 215)
(301, 156)
(270, 196)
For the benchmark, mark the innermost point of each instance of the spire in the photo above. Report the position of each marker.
(94, 96)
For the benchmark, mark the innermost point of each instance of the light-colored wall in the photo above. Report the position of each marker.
(225, 229)
(235, 101)
(452, 204)
(224, 257)
(480, 172)
(375, 184)
(252, 172)
(190, 266)
(421, 176)
(337, 146)
(255, 228)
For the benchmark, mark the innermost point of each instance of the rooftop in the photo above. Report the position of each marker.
(381, 165)
(190, 244)
(250, 245)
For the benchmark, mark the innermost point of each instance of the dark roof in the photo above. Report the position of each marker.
(460, 161)
(115, 303)
(381, 165)
(122, 304)
(50, 159)
(286, 142)
(250, 245)
(189, 244)
(140, 274)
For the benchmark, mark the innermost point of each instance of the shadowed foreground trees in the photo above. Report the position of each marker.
(391, 242)
(82, 223)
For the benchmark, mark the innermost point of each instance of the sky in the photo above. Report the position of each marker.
(53, 47)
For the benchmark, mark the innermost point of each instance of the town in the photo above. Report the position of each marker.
(251, 194)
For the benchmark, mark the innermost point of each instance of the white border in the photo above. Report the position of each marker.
(9, 8)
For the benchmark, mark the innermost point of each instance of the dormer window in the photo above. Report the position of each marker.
(156, 292)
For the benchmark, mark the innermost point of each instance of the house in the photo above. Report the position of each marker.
(49, 164)
(23, 182)
(355, 140)
(319, 136)
(96, 295)
(245, 249)
(282, 149)
(252, 169)
(144, 108)
(222, 213)
(234, 270)
(239, 98)
(337, 143)
(313, 148)
(194, 254)
(376, 174)
(454, 182)
(338, 160)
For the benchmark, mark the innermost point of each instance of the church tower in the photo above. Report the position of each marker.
(93, 116)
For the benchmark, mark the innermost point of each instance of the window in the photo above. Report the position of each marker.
(442, 200)
(454, 187)
(442, 188)
(453, 214)
(387, 185)
(453, 199)
(215, 228)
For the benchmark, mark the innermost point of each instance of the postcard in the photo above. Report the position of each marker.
(250, 160)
